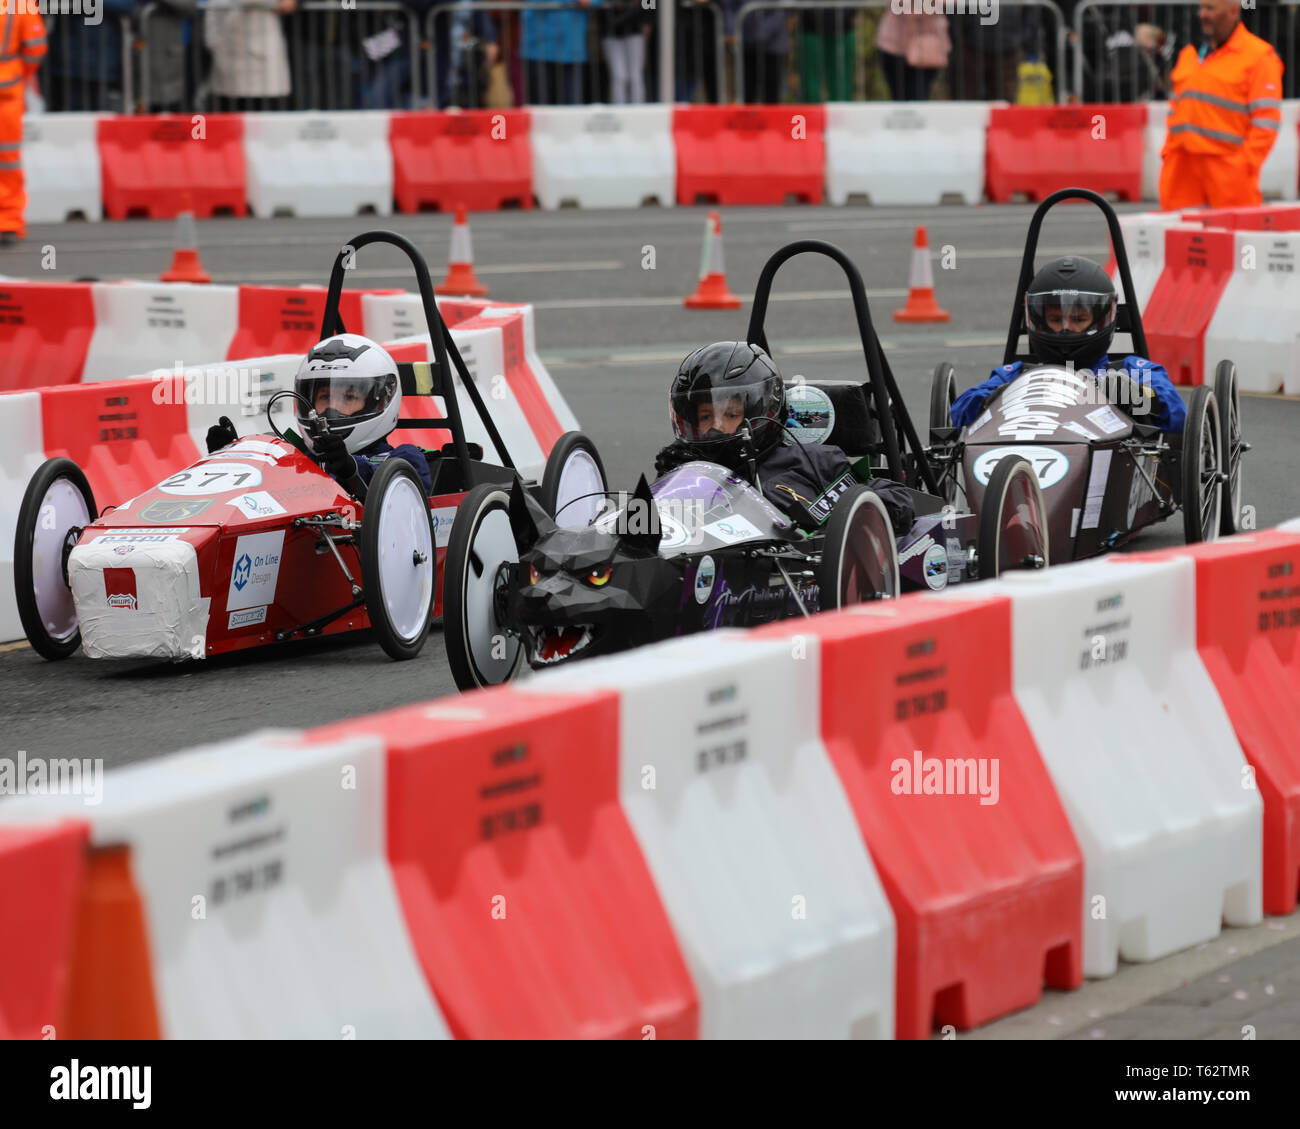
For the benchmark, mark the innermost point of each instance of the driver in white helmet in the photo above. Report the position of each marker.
(351, 383)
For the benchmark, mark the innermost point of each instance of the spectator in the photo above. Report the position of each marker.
(826, 48)
(913, 49)
(473, 52)
(20, 55)
(553, 46)
(250, 64)
(165, 61)
(765, 44)
(696, 32)
(1225, 115)
(990, 54)
(84, 69)
(626, 31)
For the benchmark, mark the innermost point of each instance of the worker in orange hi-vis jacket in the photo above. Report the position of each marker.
(22, 47)
(1224, 115)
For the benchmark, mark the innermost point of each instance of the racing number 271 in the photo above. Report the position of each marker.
(211, 476)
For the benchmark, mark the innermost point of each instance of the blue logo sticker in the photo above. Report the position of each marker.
(243, 570)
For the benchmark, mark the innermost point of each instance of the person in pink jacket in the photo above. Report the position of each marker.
(913, 49)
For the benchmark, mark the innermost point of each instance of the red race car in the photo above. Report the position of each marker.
(256, 543)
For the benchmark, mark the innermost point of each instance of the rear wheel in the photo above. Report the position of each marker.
(943, 391)
(1013, 520)
(399, 564)
(573, 484)
(859, 556)
(1228, 402)
(479, 649)
(57, 505)
(1202, 468)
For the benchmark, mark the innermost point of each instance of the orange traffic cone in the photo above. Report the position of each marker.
(712, 292)
(920, 304)
(460, 263)
(185, 254)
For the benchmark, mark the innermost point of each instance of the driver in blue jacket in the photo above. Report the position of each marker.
(1070, 316)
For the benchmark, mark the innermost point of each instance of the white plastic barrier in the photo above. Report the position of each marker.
(1141, 752)
(140, 326)
(21, 452)
(1144, 242)
(269, 904)
(314, 164)
(61, 167)
(1257, 321)
(568, 421)
(749, 836)
(1277, 179)
(603, 156)
(906, 152)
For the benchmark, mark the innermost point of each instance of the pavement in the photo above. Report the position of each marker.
(608, 288)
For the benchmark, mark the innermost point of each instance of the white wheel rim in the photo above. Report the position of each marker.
(62, 508)
(407, 560)
(580, 479)
(493, 651)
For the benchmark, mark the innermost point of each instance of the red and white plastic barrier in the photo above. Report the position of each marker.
(568, 858)
(61, 167)
(603, 156)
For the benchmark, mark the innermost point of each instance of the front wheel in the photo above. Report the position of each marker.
(1013, 520)
(1202, 468)
(57, 505)
(573, 484)
(859, 556)
(399, 562)
(1228, 400)
(480, 651)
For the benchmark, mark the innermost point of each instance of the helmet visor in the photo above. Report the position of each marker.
(343, 398)
(1069, 311)
(723, 411)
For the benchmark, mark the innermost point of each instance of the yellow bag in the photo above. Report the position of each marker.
(1034, 85)
(499, 95)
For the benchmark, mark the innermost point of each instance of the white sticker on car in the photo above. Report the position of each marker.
(1096, 489)
(259, 504)
(1049, 464)
(139, 536)
(442, 522)
(1108, 419)
(212, 478)
(704, 575)
(733, 529)
(256, 570)
(1079, 429)
(974, 427)
(246, 618)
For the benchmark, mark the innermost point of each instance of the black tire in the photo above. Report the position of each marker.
(1202, 465)
(943, 391)
(464, 595)
(1013, 520)
(860, 554)
(1228, 400)
(397, 553)
(46, 639)
(571, 448)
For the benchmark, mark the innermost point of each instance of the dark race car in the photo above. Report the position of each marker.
(1104, 472)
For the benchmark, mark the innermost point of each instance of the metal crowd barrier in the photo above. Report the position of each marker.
(87, 66)
(557, 53)
(1125, 52)
(983, 63)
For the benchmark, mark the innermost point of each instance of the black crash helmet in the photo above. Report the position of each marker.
(1070, 312)
(719, 390)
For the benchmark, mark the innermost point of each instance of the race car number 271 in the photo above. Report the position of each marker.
(212, 478)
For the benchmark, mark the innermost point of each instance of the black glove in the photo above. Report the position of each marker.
(671, 457)
(221, 434)
(333, 454)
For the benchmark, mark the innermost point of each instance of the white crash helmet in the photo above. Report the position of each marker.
(352, 384)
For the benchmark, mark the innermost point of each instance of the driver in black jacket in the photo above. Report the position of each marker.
(727, 405)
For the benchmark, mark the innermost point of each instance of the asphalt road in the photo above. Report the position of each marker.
(611, 331)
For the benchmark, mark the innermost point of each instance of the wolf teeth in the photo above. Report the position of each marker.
(547, 633)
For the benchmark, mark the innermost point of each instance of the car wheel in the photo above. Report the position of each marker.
(1228, 401)
(573, 484)
(399, 563)
(480, 651)
(1202, 468)
(57, 505)
(860, 555)
(1013, 520)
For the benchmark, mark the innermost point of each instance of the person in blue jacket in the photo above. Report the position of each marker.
(553, 47)
(1070, 317)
